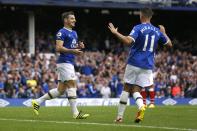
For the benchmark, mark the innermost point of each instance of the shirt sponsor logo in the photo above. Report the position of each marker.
(74, 43)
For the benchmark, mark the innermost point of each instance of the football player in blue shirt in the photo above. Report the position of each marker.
(68, 46)
(143, 41)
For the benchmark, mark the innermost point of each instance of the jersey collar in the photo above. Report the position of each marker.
(68, 29)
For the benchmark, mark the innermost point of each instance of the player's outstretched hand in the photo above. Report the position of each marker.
(77, 51)
(81, 45)
(162, 29)
(112, 28)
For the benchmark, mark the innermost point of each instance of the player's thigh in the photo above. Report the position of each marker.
(65, 72)
(127, 87)
(130, 74)
(68, 86)
(66, 76)
(131, 88)
(144, 78)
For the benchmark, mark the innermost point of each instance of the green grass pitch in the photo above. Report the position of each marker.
(161, 118)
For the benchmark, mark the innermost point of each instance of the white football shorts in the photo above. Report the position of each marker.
(65, 72)
(138, 76)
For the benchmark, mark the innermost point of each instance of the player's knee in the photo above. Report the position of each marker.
(70, 83)
(71, 93)
(61, 88)
(151, 88)
(61, 91)
(143, 89)
(136, 89)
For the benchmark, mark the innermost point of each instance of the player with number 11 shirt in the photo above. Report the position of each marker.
(143, 41)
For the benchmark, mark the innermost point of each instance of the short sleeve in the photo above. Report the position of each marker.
(163, 39)
(134, 33)
(60, 35)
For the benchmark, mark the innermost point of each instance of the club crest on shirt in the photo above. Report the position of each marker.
(59, 34)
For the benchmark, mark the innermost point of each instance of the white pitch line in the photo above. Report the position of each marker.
(99, 124)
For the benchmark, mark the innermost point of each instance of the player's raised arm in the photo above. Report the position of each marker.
(127, 40)
(60, 48)
(169, 42)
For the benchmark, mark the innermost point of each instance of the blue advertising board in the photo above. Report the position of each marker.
(96, 102)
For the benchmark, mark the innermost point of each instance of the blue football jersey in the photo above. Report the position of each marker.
(70, 39)
(146, 38)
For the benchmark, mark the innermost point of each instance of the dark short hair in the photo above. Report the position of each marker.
(147, 12)
(66, 14)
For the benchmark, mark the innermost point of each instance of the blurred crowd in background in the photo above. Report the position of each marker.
(99, 72)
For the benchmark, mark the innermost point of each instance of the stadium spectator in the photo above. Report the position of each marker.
(94, 68)
(21, 92)
(176, 91)
(2, 92)
(105, 91)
